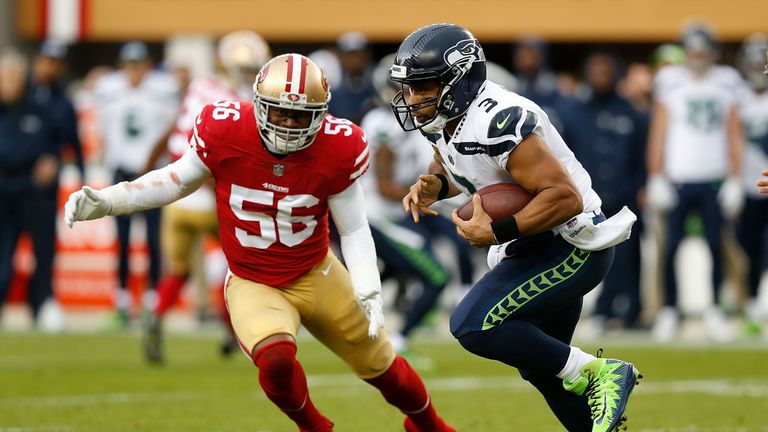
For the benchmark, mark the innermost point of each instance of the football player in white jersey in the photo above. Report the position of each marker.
(240, 55)
(544, 258)
(754, 219)
(135, 107)
(694, 163)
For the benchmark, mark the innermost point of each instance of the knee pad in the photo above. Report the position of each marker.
(276, 361)
(473, 342)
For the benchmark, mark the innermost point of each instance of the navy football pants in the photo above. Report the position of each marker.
(524, 311)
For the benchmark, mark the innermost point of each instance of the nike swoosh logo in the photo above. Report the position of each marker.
(327, 269)
(501, 125)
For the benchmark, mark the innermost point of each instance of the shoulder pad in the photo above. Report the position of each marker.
(515, 120)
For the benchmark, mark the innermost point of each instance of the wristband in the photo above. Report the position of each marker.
(444, 186)
(505, 230)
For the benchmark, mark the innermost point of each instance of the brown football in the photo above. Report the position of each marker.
(499, 201)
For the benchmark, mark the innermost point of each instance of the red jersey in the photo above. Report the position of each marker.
(273, 211)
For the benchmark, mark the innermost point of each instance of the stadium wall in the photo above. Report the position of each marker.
(385, 20)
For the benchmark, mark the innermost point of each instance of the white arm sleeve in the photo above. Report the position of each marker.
(159, 187)
(348, 211)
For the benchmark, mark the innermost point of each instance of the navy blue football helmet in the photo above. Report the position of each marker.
(444, 52)
(699, 36)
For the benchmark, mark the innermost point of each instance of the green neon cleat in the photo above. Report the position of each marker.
(607, 383)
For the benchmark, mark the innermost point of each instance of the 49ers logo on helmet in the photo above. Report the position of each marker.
(293, 97)
(263, 73)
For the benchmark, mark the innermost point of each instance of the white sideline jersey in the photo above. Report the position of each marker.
(201, 92)
(132, 120)
(493, 126)
(412, 154)
(754, 119)
(696, 142)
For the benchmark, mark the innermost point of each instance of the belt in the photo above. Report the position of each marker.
(597, 216)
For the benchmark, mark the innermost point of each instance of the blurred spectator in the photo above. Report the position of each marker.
(355, 94)
(48, 89)
(637, 87)
(185, 222)
(608, 137)
(330, 65)
(536, 81)
(136, 107)
(29, 164)
(404, 247)
(694, 163)
(751, 228)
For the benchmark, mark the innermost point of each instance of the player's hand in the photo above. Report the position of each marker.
(478, 229)
(45, 171)
(374, 311)
(731, 197)
(423, 194)
(762, 185)
(86, 204)
(662, 196)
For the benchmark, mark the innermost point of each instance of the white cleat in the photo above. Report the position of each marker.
(50, 318)
(716, 325)
(665, 328)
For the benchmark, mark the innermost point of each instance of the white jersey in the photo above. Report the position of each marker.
(754, 119)
(493, 126)
(201, 92)
(131, 120)
(412, 154)
(696, 142)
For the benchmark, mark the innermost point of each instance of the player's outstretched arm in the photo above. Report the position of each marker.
(154, 189)
(348, 211)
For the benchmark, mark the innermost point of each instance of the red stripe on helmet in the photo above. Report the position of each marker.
(290, 74)
(303, 74)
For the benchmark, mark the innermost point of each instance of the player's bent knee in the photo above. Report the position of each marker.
(458, 323)
(374, 361)
(472, 342)
(276, 361)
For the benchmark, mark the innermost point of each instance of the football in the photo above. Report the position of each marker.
(499, 201)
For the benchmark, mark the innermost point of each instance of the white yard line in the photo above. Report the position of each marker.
(343, 386)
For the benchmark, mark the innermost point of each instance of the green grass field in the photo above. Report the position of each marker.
(77, 382)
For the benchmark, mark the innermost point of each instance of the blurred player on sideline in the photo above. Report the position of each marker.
(694, 164)
(136, 106)
(281, 165)
(240, 55)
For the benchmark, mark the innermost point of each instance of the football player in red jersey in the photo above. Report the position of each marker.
(281, 165)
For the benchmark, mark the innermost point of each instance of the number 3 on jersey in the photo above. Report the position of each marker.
(275, 229)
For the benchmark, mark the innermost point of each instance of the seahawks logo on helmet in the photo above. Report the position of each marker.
(465, 51)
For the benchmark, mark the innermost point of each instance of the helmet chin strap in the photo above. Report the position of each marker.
(436, 124)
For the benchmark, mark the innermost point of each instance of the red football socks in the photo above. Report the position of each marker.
(168, 292)
(285, 384)
(402, 387)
